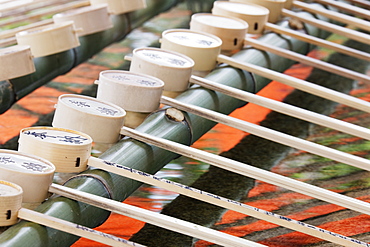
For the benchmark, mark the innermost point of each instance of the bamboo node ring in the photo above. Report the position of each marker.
(96, 177)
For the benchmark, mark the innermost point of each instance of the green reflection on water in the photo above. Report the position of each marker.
(338, 170)
(361, 183)
(365, 146)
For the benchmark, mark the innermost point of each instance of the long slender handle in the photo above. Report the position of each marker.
(154, 218)
(298, 83)
(365, 25)
(72, 228)
(246, 170)
(270, 134)
(309, 61)
(319, 42)
(349, 33)
(215, 199)
(284, 108)
(364, 13)
(363, 3)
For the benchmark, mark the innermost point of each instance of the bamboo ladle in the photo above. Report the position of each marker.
(275, 7)
(32, 176)
(157, 62)
(58, 146)
(205, 48)
(258, 18)
(276, 10)
(220, 26)
(120, 208)
(24, 184)
(179, 225)
(157, 219)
